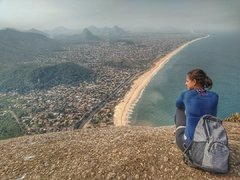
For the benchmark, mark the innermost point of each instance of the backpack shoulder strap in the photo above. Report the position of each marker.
(205, 127)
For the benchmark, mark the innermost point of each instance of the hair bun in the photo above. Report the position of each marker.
(201, 77)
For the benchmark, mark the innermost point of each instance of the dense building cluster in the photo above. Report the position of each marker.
(114, 61)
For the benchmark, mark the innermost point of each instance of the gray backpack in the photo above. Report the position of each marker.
(209, 148)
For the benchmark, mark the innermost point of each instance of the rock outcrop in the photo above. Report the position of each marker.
(107, 153)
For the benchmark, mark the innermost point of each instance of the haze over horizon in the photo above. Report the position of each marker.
(138, 15)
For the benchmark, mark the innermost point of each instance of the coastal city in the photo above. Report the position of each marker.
(119, 89)
(91, 104)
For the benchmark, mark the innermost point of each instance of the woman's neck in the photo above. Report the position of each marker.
(201, 91)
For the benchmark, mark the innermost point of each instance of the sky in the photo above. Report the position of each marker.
(129, 14)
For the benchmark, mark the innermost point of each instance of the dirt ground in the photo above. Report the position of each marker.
(107, 153)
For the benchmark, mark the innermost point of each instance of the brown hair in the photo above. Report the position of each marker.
(201, 78)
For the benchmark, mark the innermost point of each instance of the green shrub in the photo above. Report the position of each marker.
(9, 127)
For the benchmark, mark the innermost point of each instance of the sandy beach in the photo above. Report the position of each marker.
(121, 112)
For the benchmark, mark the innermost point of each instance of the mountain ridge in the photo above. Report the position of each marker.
(17, 46)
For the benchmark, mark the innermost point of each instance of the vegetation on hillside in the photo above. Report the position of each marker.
(64, 73)
(9, 126)
(16, 46)
(24, 78)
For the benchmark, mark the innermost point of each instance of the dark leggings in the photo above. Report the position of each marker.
(180, 122)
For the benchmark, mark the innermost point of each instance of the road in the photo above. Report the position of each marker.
(88, 116)
(17, 119)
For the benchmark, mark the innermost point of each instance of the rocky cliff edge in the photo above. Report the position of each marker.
(107, 153)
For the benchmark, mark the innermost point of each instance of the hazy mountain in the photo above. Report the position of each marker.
(16, 46)
(114, 31)
(63, 31)
(91, 33)
(85, 37)
(38, 32)
(94, 30)
(118, 30)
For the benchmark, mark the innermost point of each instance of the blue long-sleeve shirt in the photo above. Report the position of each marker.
(196, 105)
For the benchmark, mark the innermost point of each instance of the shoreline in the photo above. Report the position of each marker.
(122, 109)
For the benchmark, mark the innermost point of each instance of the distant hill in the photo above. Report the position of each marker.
(88, 36)
(38, 32)
(85, 37)
(114, 31)
(16, 46)
(63, 31)
(27, 77)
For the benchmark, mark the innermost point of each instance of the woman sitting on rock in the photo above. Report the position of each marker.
(192, 104)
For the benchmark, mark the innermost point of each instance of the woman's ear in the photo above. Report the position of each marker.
(194, 82)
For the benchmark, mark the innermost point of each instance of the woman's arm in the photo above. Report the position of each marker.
(180, 103)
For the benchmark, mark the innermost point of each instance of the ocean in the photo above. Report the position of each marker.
(218, 55)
